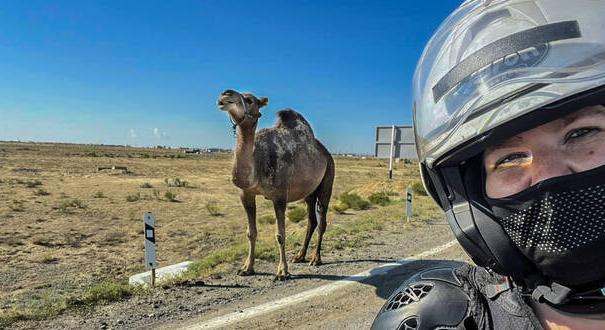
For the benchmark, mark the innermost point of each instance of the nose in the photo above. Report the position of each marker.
(550, 166)
(228, 92)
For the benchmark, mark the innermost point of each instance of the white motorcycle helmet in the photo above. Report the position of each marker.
(492, 70)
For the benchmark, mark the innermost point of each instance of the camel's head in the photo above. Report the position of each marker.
(243, 108)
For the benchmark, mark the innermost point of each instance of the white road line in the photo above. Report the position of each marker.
(320, 291)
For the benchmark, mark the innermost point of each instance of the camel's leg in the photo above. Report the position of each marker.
(311, 200)
(324, 193)
(280, 236)
(249, 202)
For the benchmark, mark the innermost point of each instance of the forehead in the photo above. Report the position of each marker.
(595, 113)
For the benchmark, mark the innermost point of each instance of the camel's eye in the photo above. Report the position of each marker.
(248, 100)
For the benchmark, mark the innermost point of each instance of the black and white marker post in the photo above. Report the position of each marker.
(150, 261)
(408, 208)
(391, 155)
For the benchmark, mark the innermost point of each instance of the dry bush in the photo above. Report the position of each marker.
(340, 207)
(176, 182)
(170, 196)
(32, 184)
(418, 188)
(98, 194)
(41, 192)
(354, 201)
(379, 198)
(133, 197)
(297, 214)
(146, 185)
(266, 219)
(213, 209)
(70, 204)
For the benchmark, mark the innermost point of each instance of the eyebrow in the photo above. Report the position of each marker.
(600, 111)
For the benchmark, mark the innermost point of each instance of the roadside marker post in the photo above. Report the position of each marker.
(392, 150)
(408, 207)
(150, 261)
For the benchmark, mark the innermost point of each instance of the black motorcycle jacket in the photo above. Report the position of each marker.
(459, 297)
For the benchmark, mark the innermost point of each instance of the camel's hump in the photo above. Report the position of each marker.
(291, 119)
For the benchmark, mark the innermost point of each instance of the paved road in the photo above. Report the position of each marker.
(350, 306)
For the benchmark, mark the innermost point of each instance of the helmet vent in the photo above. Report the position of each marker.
(409, 295)
(409, 324)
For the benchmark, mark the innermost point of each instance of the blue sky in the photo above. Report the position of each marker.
(149, 72)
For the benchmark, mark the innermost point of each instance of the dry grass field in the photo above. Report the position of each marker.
(71, 234)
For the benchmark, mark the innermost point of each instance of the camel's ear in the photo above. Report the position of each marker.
(263, 102)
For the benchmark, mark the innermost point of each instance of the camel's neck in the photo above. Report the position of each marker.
(243, 164)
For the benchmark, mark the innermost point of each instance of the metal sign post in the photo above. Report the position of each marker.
(408, 207)
(392, 150)
(149, 232)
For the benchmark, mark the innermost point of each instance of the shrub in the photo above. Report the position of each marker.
(133, 197)
(379, 198)
(266, 219)
(33, 184)
(146, 185)
(354, 201)
(98, 194)
(213, 209)
(297, 214)
(176, 182)
(170, 196)
(418, 189)
(41, 192)
(340, 207)
(67, 205)
(16, 206)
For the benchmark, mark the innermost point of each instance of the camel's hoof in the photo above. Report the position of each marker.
(315, 262)
(282, 277)
(243, 272)
(298, 259)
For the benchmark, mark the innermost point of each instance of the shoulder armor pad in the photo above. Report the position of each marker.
(431, 299)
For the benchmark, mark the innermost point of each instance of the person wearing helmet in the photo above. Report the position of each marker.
(510, 132)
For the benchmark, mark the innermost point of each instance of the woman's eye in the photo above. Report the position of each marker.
(510, 158)
(580, 132)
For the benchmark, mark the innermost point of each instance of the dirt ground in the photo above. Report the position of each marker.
(66, 225)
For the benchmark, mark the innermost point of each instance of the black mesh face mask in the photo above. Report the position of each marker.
(559, 225)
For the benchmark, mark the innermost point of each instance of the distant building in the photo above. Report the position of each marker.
(404, 146)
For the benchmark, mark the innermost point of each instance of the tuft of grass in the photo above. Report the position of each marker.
(46, 258)
(340, 207)
(176, 182)
(41, 192)
(133, 197)
(266, 219)
(354, 201)
(98, 194)
(418, 189)
(213, 209)
(170, 196)
(103, 292)
(156, 194)
(146, 185)
(32, 184)
(43, 240)
(16, 206)
(379, 198)
(70, 204)
(297, 214)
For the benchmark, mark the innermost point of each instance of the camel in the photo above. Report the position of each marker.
(284, 164)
